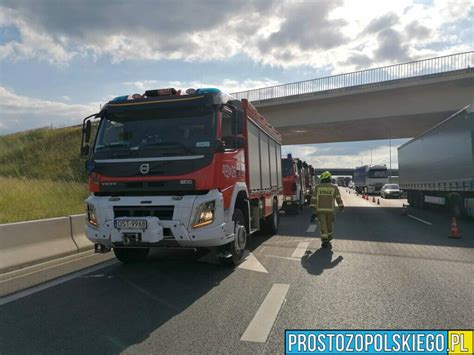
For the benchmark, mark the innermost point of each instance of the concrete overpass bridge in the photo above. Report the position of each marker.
(397, 101)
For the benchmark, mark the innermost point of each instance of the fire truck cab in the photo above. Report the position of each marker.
(293, 185)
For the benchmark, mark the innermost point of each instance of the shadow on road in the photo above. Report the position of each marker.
(110, 310)
(320, 260)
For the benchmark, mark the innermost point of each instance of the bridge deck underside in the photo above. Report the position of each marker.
(363, 129)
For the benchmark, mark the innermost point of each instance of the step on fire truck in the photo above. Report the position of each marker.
(293, 184)
(199, 170)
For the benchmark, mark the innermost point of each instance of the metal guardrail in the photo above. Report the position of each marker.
(380, 75)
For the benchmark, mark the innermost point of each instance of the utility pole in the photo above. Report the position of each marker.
(390, 166)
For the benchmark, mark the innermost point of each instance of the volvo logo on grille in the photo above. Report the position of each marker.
(145, 168)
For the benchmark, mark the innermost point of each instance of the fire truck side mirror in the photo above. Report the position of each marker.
(87, 132)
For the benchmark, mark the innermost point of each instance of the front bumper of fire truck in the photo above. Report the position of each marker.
(153, 221)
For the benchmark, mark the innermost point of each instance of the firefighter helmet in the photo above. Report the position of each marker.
(325, 175)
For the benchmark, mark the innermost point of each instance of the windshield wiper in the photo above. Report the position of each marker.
(112, 146)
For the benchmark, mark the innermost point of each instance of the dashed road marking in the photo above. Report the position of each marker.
(312, 228)
(420, 220)
(300, 250)
(283, 257)
(262, 322)
(58, 281)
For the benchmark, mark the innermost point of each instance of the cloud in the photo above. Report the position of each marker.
(391, 46)
(23, 113)
(382, 23)
(334, 36)
(417, 30)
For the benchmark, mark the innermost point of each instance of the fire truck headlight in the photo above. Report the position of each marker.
(91, 215)
(204, 214)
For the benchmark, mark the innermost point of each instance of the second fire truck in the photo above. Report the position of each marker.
(294, 185)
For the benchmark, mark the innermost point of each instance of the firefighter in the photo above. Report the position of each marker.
(322, 204)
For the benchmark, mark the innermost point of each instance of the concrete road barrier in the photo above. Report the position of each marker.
(32, 242)
(78, 222)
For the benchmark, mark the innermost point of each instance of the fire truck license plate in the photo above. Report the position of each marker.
(130, 224)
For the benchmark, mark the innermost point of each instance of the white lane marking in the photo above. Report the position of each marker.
(58, 281)
(312, 228)
(282, 257)
(300, 249)
(291, 240)
(420, 220)
(251, 263)
(262, 322)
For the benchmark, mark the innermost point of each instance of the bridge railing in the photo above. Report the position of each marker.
(375, 76)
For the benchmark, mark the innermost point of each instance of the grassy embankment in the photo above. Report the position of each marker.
(41, 174)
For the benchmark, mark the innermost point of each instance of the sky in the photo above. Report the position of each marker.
(61, 59)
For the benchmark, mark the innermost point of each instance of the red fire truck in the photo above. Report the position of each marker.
(199, 170)
(293, 185)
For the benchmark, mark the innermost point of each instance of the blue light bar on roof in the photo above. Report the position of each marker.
(120, 98)
(208, 91)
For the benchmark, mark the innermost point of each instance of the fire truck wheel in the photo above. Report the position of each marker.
(131, 255)
(270, 225)
(237, 247)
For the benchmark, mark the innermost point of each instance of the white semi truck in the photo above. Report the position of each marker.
(370, 178)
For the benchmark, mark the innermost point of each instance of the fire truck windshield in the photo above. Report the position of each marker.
(153, 133)
(287, 167)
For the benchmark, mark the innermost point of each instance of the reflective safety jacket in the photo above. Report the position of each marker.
(323, 198)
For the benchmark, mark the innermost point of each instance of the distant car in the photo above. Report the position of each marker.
(390, 190)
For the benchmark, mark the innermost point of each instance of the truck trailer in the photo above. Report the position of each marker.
(437, 167)
(200, 170)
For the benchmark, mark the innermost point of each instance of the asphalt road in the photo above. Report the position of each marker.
(385, 270)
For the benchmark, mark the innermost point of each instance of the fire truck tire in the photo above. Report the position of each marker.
(131, 255)
(238, 245)
(270, 225)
